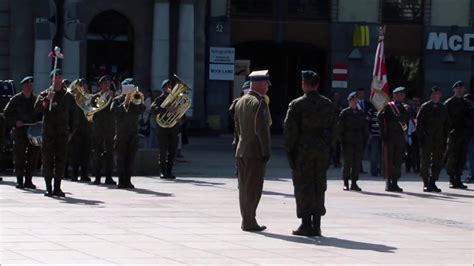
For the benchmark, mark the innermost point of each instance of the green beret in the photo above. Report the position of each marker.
(310, 75)
(435, 89)
(165, 83)
(27, 79)
(351, 96)
(128, 81)
(246, 85)
(56, 71)
(399, 90)
(105, 78)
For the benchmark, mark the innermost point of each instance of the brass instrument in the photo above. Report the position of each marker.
(89, 103)
(176, 105)
(136, 97)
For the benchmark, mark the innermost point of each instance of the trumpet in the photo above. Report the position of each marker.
(136, 97)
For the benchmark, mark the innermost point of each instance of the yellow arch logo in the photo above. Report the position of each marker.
(361, 36)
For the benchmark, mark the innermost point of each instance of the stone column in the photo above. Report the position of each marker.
(45, 32)
(160, 46)
(73, 35)
(185, 62)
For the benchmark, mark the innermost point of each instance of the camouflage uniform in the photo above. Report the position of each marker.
(57, 127)
(432, 129)
(126, 140)
(308, 129)
(81, 146)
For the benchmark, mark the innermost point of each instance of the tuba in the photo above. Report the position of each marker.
(89, 103)
(177, 100)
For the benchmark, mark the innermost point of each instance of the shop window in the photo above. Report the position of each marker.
(315, 9)
(405, 11)
(252, 7)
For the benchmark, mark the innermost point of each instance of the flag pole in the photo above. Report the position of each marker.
(57, 52)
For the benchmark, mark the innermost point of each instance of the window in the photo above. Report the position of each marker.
(318, 9)
(408, 11)
(252, 7)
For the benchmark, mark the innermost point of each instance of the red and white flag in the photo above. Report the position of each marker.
(56, 53)
(380, 92)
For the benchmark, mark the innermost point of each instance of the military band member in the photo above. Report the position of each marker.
(308, 128)
(458, 109)
(19, 112)
(470, 148)
(81, 142)
(103, 131)
(127, 113)
(252, 131)
(393, 120)
(58, 123)
(167, 137)
(432, 129)
(354, 133)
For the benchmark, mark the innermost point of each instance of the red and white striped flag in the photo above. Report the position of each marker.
(56, 53)
(380, 91)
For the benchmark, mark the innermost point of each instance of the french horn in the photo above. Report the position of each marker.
(89, 103)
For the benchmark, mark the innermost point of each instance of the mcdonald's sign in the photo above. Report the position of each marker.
(361, 36)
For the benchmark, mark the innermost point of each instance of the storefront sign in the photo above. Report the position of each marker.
(441, 41)
(221, 72)
(222, 55)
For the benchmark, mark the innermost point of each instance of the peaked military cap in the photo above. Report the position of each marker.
(352, 95)
(435, 89)
(56, 71)
(105, 78)
(260, 75)
(399, 90)
(310, 75)
(27, 79)
(246, 85)
(165, 83)
(458, 83)
(128, 81)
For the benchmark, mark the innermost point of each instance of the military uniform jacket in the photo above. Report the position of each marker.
(20, 108)
(60, 120)
(459, 113)
(156, 107)
(432, 122)
(393, 120)
(470, 98)
(309, 126)
(252, 129)
(84, 127)
(353, 127)
(126, 120)
(103, 122)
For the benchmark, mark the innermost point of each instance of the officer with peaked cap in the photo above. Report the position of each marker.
(393, 120)
(432, 129)
(252, 132)
(58, 124)
(103, 131)
(353, 132)
(458, 109)
(19, 112)
(308, 129)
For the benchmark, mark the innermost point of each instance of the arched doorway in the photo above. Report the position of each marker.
(285, 62)
(109, 46)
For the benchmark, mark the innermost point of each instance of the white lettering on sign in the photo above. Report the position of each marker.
(441, 41)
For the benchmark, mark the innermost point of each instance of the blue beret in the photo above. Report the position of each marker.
(128, 81)
(435, 89)
(310, 75)
(458, 83)
(105, 78)
(27, 79)
(351, 96)
(399, 90)
(165, 83)
(246, 85)
(56, 71)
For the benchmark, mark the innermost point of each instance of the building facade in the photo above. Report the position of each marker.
(428, 42)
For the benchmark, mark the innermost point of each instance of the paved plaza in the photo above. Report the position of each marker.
(195, 220)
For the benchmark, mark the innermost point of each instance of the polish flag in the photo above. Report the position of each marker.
(380, 92)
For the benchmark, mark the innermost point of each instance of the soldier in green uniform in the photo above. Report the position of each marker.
(103, 131)
(252, 131)
(167, 137)
(353, 133)
(80, 150)
(58, 123)
(245, 90)
(308, 128)
(393, 120)
(432, 129)
(458, 109)
(19, 112)
(127, 112)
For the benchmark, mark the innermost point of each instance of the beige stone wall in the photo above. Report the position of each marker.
(360, 10)
(450, 12)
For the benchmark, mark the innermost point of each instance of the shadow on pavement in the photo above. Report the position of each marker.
(430, 196)
(197, 182)
(71, 200)
(332, 242)
(457, 195)
(145, 191)
(379, 194)
(272, 193)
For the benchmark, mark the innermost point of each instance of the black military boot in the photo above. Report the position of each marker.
(97, 180)
(388, 185)
(57, 188)
(395, 186)
(84, 175)
(169, 172)
(29, 183)
(354, 186)
(452, 182)
(460, 184)
(433, 187)
(426, 185)
(129, 183)
(305, 229)
(19, 182)
(121, 182)
(346, 184)
(49, 187)
(109, 181)
(316, 225)
(163, 172)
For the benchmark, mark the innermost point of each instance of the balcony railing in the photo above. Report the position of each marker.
(408, 11)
